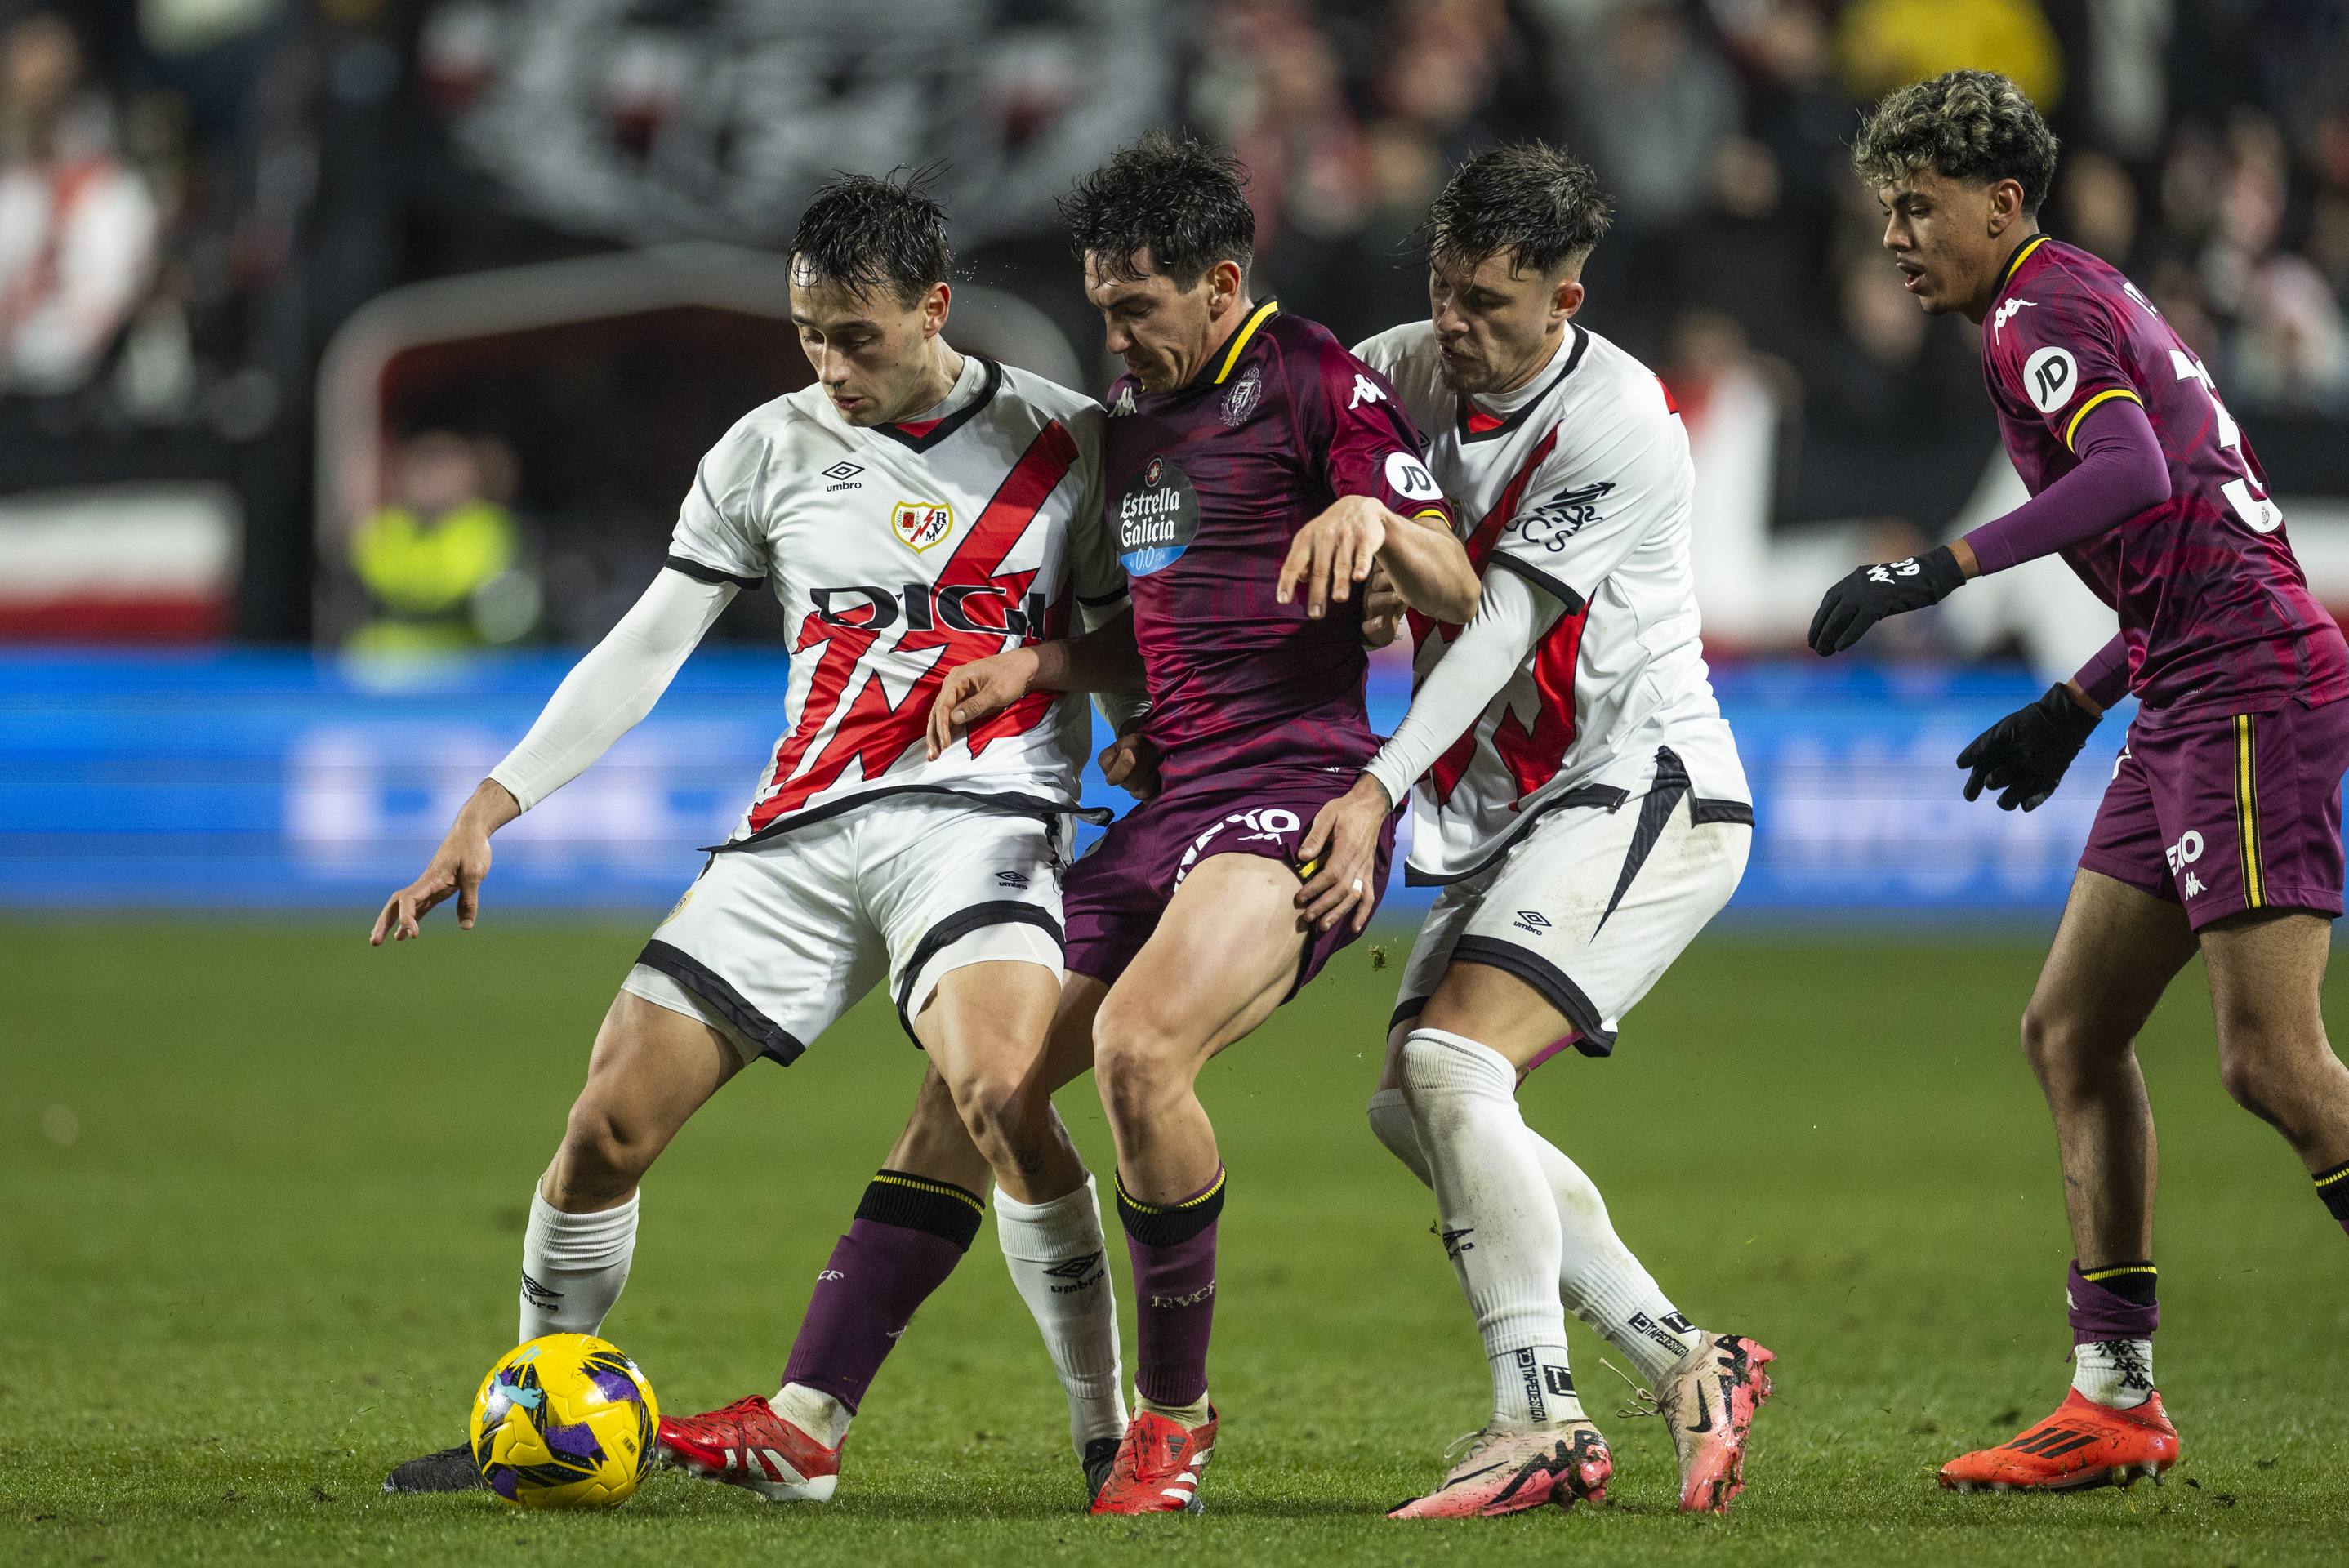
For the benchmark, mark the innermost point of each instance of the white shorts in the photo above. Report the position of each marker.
(1591, 907)
(773, 943)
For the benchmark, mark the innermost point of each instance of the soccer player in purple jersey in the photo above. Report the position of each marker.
(1255, 472)
(2221, 831)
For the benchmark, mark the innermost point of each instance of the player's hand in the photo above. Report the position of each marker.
(1333, 552)
(457, 867)
(1872, 592)
(2026, 753)
(977, 690)
(1131, 763)
(1382, 609)
(1344, 838)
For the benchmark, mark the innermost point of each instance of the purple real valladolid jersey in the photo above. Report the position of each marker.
(1205, 487)
(2214, 610)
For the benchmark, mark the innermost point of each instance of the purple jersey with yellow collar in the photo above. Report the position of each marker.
(1206, 487)
(2213, 607)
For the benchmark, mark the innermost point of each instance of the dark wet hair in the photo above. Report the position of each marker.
(866, 233)
(1975, 126)
(1539, 204)
(1182, 199)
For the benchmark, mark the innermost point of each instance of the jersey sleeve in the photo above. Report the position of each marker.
(1351, 424)
(1589, 503)
(2062, 356)
(717, 536)
(1095, 572)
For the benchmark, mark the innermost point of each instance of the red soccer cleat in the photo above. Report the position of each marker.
(1508, 1472)
(2082, 1445)
(1158, 1467)
(748, 1445)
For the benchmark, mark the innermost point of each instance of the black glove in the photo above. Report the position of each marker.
(2026, 752)
(1872, 592)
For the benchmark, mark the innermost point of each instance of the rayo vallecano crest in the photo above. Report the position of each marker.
(922, 523)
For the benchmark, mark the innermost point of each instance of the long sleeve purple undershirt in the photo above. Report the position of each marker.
(2122, 472)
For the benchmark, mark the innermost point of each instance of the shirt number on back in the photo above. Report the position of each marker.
(2259, 514)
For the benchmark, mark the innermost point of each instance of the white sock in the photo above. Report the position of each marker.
(572, 1266)
(1060, 1262)
(1602, 1283)
(1600, 1280)
(817, 1414)
(1500, 1221)
(2114, 1372)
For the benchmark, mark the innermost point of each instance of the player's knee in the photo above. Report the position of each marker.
(995, 1104)
(2259, 1078)
(2060, 1044)
(602, 1147)
(1137, 1062)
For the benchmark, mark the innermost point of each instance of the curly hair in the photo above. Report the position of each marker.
(1538, 204)
(1967, 125)
(867, 232)
(1182, 199)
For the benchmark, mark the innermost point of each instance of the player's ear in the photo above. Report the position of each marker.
(2006, 206)
(1567, 298)
(1225, 282)
(935, 301)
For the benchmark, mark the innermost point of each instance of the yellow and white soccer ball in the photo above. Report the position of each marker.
(563, 1421)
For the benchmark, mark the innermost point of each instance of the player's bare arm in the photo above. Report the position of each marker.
(1103, 659)
(1424, 560)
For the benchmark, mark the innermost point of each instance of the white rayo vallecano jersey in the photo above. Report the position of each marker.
(1583, 488)
(899, 552)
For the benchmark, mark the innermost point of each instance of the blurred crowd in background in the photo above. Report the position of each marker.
(196, 194)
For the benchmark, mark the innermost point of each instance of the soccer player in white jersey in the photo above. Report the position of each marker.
(914, 507)
(1580, 803)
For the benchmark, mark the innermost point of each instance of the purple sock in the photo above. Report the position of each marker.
(2113, 1301)
(2332, 1186)
(908, 1234)
(1173, 1250)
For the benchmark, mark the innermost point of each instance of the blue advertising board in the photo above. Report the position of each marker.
(278, 779)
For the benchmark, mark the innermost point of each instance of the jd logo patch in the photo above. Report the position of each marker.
(2049, 376)
(1157, 518)
(921, 523)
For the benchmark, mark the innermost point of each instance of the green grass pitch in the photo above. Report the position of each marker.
(262, 1188)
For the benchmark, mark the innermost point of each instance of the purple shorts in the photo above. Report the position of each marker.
(1113, 894)
(2228, 814)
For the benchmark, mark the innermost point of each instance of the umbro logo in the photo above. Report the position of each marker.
(539, 1295)
(1533, 920)
(1081, 1273)
(1456, 1242)
(1012, 879)
(843, 471)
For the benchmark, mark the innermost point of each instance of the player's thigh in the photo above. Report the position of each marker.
(2116, 951)
(968, 901)
(1581, 921)
(2267, 982)
(986, 1026)
(769, 946)
(1424, 968)
(651, 1068)
(1225, 953)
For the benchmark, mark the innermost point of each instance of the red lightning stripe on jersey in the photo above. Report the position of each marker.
(1534, 754)
(1453, 765)
(874, 732)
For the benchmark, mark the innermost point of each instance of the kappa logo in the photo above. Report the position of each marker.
(843, 476)
(1365, 391)
(1125, 404)
(1532, 920)
(1079, 1272)
(921, 523)
(2008, 312)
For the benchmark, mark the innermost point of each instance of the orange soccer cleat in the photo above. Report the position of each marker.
(2082, 1445)
(1158, 1467)
(748, 1445)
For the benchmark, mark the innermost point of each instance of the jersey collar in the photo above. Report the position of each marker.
(1476, 425)
(921, 435)
(1240, 340)
(2014, 266)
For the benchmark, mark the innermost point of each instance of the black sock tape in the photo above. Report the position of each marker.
(2332, 1186)
(1171, 1224)
(923, 1203)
